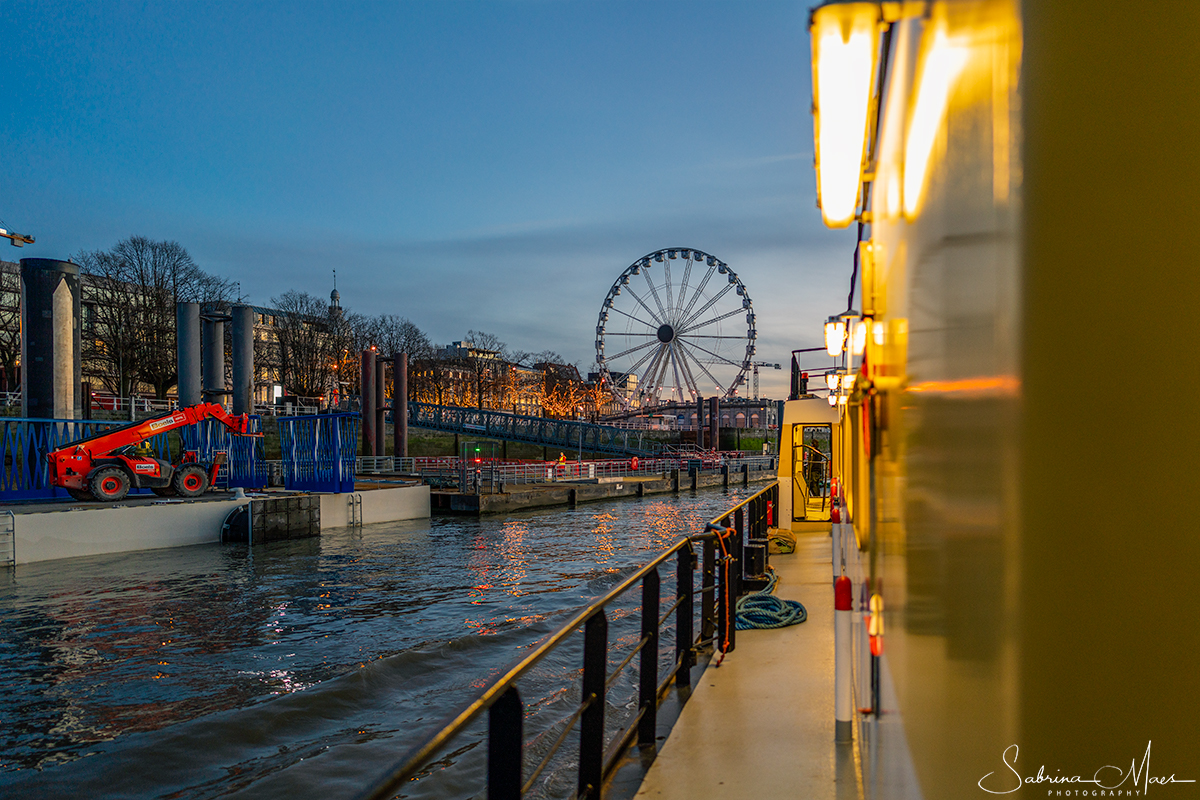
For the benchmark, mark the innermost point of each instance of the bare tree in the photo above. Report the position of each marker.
(10, 325)
(311, 342)
(131, 292)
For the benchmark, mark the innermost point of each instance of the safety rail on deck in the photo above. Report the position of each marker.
(721, 582)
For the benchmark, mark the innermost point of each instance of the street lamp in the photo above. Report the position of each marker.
(844, 51)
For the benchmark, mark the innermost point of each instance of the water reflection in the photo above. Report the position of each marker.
(163, 662)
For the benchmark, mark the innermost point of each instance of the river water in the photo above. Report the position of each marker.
(302, 669)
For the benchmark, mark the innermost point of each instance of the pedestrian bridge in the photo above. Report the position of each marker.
(560, 433)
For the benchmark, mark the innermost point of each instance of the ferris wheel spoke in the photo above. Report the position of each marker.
(667, 291)
(633, 349)
(649, 310)
(662, 370)
(703, 368)
(632, 370)
(650, 377)
(635, 319)
(711, 302)
(697, 294)
(707, 336)
(654, 292)
(687, 372)
(687, 271)
(726, 315)
(717, 356)
(675, 366)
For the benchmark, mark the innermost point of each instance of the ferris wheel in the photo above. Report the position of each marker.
(676, 324)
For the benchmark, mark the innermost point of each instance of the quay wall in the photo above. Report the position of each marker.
(55, 532)
(569, 493)
(376, 505)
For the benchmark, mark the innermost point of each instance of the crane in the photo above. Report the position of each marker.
(16, 239)
(758, 364)
(107, 465)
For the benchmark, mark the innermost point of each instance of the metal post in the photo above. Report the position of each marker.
(187, 352)
(366, 391)
(243, 359)
(400, 405)
(684, 636)
(708, 600)
(380, 406)
(51, 369)
(700, 422)
(648, 672)
(714, 423)
(505, 738)
(214, 359)
(591, 722)
(87, 399)
(843, 692)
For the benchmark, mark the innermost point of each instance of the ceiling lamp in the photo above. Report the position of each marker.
(844, 50)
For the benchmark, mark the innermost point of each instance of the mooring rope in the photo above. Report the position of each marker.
(762, 609)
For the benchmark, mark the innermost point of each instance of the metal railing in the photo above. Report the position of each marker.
(523, 472)
(720, 585)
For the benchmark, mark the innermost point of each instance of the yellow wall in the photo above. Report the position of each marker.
(1036, 539)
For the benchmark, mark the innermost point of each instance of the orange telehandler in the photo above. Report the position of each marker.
(107, 465)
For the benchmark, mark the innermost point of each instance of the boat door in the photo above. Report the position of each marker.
(812, 470)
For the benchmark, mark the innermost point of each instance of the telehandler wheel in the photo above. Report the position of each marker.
(110, 484)
(80, 494)
(190, 481)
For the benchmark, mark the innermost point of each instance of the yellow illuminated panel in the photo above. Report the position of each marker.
(844, 52)
(943, 62)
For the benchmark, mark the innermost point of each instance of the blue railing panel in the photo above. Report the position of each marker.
(26, 441)
(245, 466)
(318, 452)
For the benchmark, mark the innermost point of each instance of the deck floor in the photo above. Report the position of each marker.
(761, 725)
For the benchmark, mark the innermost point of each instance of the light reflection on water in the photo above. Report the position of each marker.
(179, 672)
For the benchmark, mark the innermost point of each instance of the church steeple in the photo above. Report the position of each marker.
(335, 299)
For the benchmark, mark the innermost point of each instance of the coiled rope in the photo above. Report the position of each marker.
(762, 609)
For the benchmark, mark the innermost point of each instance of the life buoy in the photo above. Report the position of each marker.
(633, 463)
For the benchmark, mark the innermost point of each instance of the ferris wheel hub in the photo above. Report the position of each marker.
(666, 334)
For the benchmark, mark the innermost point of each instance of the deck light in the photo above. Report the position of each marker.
(844, 51)
(858, 340)
(835, 336)
(833, 399)
(831, 380)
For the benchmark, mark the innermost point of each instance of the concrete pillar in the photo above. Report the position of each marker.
(367, 392)
(400, 405)
(243, 360)
(714, 423)
(380, 405)
(187, 352)
(699, 421)
(214, 358)
(51, 369)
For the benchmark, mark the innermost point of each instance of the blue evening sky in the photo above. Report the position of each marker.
(466, 165)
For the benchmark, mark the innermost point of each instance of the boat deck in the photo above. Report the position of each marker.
(761, 725)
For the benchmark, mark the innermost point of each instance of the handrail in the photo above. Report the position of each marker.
(504, 705)
(418, 756)
(752, 498)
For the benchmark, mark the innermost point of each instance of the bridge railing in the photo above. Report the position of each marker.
(563, 433)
